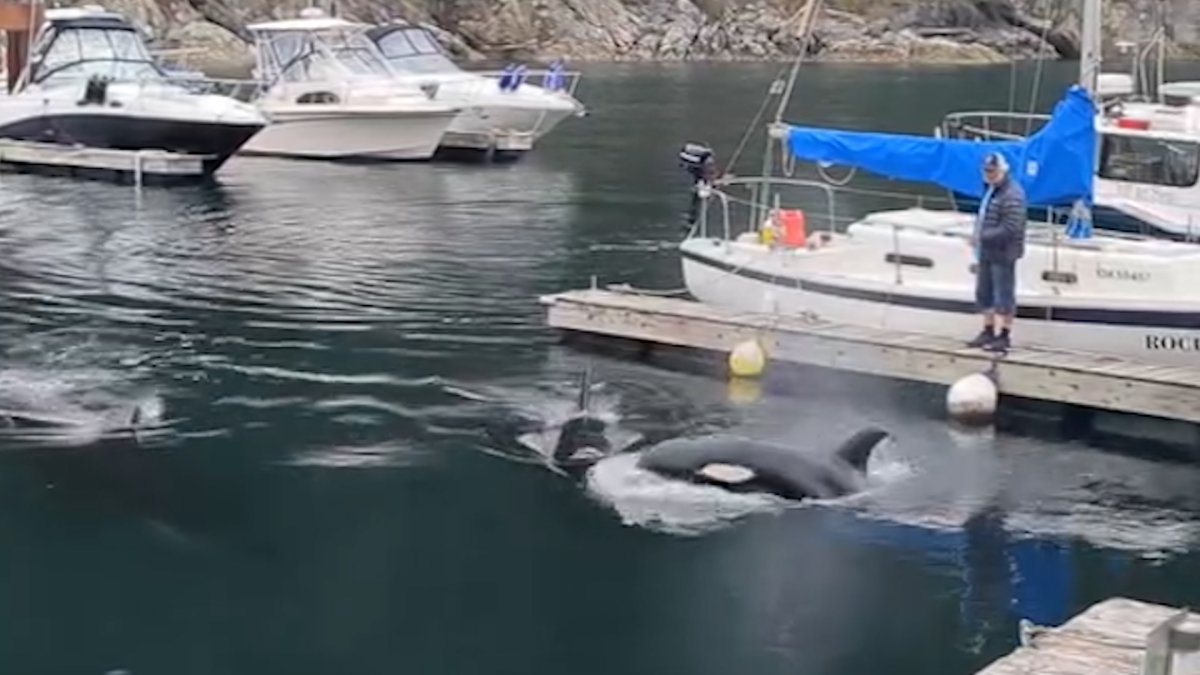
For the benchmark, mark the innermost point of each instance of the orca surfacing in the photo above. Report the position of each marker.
(743, 465)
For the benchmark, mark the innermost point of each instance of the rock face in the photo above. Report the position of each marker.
(976, 31)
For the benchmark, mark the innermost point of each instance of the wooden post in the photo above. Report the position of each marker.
(20, 22)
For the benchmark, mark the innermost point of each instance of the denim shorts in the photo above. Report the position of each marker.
(996, 287)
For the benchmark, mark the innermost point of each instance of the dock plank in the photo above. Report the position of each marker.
(1108, 637)
(153, 163)
(1094, 380)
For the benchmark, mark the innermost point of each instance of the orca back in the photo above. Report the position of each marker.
(778, 469)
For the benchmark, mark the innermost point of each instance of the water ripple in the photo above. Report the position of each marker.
(305, 296)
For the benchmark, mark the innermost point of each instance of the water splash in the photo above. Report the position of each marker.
(645, 499)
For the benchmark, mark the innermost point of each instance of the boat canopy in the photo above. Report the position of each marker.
(1056, 165)
(77, 44)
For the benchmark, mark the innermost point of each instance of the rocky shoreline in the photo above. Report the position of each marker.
(872, 31)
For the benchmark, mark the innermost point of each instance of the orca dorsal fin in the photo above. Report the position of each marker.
(584, 403)
(856, 450)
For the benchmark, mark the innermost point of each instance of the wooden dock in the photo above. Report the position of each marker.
(1116, 637)
(149, 166)
(1089, 381)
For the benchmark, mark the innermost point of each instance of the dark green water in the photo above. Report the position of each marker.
(327, 344)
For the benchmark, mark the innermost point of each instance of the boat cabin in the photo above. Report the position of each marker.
(315, 48)
(1148, 155)
(1153, 143)
(81, 43)
(412, 49)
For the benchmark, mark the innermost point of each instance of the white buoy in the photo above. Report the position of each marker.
(973, 399)
(748, 359)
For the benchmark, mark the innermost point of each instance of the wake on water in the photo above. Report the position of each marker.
(941, 478)
(533, 423)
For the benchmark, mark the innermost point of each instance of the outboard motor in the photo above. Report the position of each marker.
(692, 158)
(700, 162)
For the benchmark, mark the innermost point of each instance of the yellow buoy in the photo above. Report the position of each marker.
(748, 359)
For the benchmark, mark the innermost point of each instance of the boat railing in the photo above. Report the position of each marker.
(193, 82)
(244, 90)
(743, 204)
(990, 125)
(742, 196)
(565, 81)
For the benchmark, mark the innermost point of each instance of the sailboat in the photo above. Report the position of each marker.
(912, 270)
(1148, 170)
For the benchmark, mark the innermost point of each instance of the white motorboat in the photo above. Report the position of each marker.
(911, 270)
(329, 94)
(502, 112)
(91, 81)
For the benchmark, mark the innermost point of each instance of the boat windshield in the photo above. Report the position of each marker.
(302, 55)
(1149, 160)
(79, 53)
(413, 50)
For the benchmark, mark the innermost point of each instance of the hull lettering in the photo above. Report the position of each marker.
(1173, 343)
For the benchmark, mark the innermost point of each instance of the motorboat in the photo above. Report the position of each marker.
(91, 81)
(1148, 169)
(911, 270)
(504, 112)
(329, 94)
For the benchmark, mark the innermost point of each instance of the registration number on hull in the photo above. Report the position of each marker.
(1173, 343)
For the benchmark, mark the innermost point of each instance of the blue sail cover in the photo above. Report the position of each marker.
(1056, 165)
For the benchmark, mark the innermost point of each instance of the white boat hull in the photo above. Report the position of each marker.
(503, 127)
(1164, 332)
(492, 119)
(149, 116)
(346, 135)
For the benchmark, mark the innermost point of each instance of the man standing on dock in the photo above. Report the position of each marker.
(999, 241)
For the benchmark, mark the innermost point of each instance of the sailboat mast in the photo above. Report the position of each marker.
(1089, 47)
(763, 198)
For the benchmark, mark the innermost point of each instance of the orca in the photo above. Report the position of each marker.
(32, 409)
(582, 437)
(743, 465)
(570, 445)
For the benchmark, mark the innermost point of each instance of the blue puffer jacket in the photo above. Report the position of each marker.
(1002, 228)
